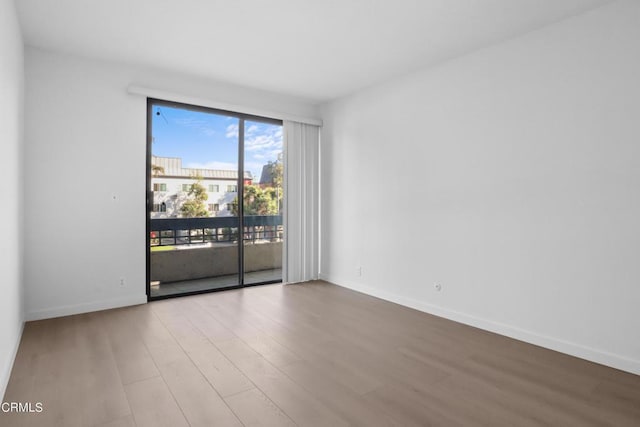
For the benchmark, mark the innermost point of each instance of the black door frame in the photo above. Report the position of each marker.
(242, 117)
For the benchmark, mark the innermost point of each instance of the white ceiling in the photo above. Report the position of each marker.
(316, 50)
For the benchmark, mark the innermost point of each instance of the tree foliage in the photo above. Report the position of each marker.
(194, 206)
(258, 201)
(265, 198)
(275, 179)
(157, 170)
(276, 173)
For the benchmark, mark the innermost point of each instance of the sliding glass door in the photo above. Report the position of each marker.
(214, 199)
(262, 213)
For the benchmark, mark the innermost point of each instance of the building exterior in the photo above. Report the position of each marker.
(170, 183)
(270, 172)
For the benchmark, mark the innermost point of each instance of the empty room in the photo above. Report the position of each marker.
(327, 213)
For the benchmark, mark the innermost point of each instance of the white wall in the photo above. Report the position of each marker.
(85, 143)
(11, 137)
(514, 177)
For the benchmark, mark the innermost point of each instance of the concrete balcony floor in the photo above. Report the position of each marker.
(220, 282)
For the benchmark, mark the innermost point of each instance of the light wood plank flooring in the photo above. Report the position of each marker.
(307, 355)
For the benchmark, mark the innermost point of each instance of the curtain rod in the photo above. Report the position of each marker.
(203, 102)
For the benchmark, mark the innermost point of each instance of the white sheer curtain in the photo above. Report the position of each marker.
(301, 177)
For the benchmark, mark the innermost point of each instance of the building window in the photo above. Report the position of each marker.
(186, 187)
(214, 188)
(230, 206)
(232, 188)
(214, 207)
(160, 207)
(159, 187)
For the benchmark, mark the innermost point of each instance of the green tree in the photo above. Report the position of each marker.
(195, 207)
(258, 201)
(276, 173)
(275, 179)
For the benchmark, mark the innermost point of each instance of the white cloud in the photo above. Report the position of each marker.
(199, 124)
(262, 142)
(232, 131)
(265, 140)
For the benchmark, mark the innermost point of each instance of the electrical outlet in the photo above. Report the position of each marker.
(358, 271)
(437, 287)
(122, 282)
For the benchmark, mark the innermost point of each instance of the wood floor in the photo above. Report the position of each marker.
(313, 354)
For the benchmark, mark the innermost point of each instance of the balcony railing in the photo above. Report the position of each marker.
(191, 231)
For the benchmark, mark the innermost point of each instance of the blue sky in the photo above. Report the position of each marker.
(210, 141)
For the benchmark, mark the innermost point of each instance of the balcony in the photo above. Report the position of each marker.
(192, 254)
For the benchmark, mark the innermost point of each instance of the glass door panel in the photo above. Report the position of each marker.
(263, 196)
(193, 219)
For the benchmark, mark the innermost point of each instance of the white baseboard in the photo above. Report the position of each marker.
(68, 310)
(6, 372)
(573, 349)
